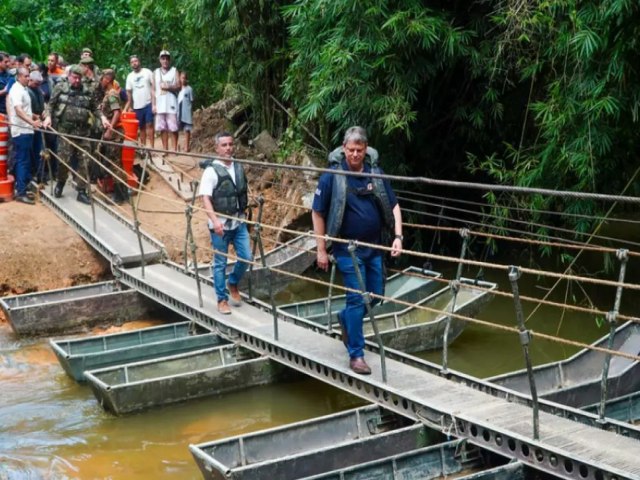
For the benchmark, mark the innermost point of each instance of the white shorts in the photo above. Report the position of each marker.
(166, 121)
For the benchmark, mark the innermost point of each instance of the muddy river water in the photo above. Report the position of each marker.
(53, 428)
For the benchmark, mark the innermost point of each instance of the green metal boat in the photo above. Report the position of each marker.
(137, 386)
(407, 328)
(90, 353)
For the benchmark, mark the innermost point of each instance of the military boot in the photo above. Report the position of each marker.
(83, 197)
(57, 192)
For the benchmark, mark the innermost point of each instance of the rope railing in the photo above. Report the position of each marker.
(537, 272)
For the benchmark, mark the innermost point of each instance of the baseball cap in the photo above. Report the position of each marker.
(87, 50)
(164, 53)
(75, 69)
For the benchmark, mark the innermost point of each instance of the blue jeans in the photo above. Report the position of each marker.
(240, 240)
(22, 145)
(351, 317)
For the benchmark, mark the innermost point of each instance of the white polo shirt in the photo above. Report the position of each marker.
(19, 95)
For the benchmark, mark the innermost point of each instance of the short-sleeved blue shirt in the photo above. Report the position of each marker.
(362, 219)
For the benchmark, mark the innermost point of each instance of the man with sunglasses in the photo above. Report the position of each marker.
(359, 208)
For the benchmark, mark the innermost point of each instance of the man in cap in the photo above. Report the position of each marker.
(74, 111)
(166, 81)
(112, 109)
(140, 97)
(89, 77)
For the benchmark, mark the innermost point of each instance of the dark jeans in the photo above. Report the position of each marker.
(37, 165)
(22, 145)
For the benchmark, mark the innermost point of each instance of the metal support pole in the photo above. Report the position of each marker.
(331, 280)
(366, 296)
(189, 214)
(455, 288)
(258, 229)
(136, 225)
(612, 317)
(254, 237)
(525, 339)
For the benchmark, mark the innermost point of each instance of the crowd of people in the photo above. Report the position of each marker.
(42, 101)
(87, 102)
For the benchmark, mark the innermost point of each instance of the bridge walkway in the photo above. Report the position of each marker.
(566, 448)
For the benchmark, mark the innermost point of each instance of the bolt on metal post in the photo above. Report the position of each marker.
(612, 317)
(367, 303)
(525, 339)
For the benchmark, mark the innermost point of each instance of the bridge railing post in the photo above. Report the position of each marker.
(612, 317)
(525, 339)
(136, 225)
(455, 288)
(258, 230)
(366, 296)
(254, 237)
(331, 281)
(189, 239)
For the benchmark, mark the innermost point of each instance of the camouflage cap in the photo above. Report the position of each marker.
(87, 60)
(75, 69)
(87, 50)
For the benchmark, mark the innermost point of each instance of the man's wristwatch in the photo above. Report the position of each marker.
(400, 237)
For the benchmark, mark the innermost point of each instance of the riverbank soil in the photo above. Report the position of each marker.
(38, 251)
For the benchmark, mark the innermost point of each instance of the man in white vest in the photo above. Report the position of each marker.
(166, 81)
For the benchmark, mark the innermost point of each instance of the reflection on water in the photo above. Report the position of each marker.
(52, 427)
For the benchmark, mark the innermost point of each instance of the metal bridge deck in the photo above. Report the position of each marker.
(114, 237)
(566, 448)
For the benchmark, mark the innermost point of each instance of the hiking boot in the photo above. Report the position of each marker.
(83, 197)
(224, 308)
(57, 192)
(234, 296)
(359, 366)
(25, 199)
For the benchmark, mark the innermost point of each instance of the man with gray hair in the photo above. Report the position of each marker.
(358, 208)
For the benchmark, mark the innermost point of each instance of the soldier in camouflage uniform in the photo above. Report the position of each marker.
(73, 110)
(111, 107)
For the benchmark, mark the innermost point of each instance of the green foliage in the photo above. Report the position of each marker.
(364, 62)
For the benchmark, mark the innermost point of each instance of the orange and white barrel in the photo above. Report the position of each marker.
(6, 181)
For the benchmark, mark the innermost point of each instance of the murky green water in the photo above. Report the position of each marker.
(52, 428)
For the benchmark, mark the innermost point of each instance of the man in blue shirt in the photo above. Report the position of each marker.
(360, 208)
(6, 81)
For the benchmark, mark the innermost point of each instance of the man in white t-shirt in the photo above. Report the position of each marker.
(140, 94)
(166, 80)
(223, 189)
(22, 124)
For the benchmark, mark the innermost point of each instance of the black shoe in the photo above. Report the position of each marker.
(25, 199)
(83, 197)
(57, 192)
